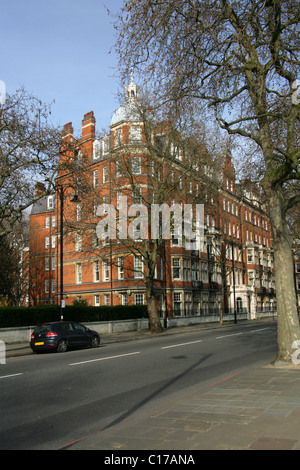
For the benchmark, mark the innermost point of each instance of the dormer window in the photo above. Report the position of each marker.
(78, 157)
(100, 148)
(105, 145)
(50, 202)
(135, 133)
(118, 137)
(96, 150)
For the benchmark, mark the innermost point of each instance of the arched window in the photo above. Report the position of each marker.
(96, 150)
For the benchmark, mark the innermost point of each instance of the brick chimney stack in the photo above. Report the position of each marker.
(88, 126)
(39, 188)
(67, 130)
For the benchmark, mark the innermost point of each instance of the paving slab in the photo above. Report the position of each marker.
(227, 416)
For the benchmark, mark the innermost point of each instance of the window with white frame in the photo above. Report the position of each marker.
(135, 133)
(204, 272)
(96, 271)
(53, 286)
(96, 150)
(120, 267)
(105, 270)
(105, 144)
(137, 196)
(78, 273)
(196, 303)
(119, 199)
(95, 204)
(106, 237)
(78, 157)
(47, 222)
(97, 300)
(187, 303)
(205, 304)
(47, 263)
(50, 202)
(186, 269)
(78, 242)
(95, 178)
(105, 204)
(118, 137)
(106, 299)
(251, 278)
(136, 165)
(105, 174)
(138, 299)
(53, 241)
(96, 240)
(138, 267)
(176, 238)
(177, 303)
(195, 270)
(118, 169)
(78, 212)
(46, 286)
(176, 268)
(124, 299)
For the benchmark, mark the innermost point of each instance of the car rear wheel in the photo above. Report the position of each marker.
(95, 342)
(62, 346)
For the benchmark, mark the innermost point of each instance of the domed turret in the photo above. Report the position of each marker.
(129, 110)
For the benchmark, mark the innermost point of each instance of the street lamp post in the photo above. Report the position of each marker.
(233, 274)
(61, 198)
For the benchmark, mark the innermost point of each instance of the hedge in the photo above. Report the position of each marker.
(31, 316)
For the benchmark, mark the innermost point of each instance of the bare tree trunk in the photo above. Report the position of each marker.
(288, 323)
(154, 319)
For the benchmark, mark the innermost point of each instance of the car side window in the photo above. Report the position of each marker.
(67, 327)
(79, 328)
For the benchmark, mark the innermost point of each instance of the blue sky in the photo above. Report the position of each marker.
(59, 50)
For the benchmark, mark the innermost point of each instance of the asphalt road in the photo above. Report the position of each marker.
(50, 400)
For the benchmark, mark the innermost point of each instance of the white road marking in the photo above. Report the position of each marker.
(182, 344)
(104, 358)
(227, 336)
(260, 329)
(11, 375)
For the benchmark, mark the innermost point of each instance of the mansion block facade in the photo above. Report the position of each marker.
(233, 269)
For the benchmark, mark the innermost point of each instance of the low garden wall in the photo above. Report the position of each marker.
(22, 334)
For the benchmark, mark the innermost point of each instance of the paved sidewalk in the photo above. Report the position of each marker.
(258, 409)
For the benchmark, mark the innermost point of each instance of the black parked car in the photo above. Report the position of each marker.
(62, 335)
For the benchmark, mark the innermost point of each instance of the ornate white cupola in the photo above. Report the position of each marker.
(129, 110)
(131, 89)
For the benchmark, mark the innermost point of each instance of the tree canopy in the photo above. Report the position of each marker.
(240, 61)
(29, 149)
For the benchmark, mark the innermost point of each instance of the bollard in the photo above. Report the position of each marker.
(2, 352)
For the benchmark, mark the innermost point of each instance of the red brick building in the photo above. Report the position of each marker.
(234, 267)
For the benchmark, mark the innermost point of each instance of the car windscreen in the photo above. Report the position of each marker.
(44, 328)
